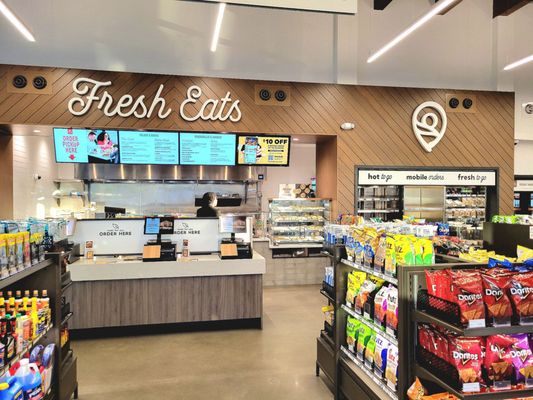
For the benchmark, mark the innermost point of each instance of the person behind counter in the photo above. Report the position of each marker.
(209, 202)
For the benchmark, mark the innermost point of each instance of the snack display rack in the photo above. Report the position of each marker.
(298, 222)
(432, 370)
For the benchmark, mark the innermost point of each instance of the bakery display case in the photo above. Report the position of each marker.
(298, 222)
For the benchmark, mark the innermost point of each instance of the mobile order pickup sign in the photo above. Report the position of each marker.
(329, 6)
(426, 177)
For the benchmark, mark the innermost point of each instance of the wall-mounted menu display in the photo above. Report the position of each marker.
(207, 149)
(158, 148)
(86, 146)
(264, 150)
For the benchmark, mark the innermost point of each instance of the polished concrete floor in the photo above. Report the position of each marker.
(277, 362)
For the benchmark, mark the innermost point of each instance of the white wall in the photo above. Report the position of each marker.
(33, 155)
(302, 169)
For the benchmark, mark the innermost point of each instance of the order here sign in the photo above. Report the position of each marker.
(425, 177)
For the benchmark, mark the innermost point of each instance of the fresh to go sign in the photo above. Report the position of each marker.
(91, 93)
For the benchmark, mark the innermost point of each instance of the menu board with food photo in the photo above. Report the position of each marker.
(264, 150)
(86, 146)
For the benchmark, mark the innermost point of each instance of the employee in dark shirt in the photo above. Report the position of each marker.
(209, 202)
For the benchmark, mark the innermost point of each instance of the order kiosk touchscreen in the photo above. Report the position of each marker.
(231, 247)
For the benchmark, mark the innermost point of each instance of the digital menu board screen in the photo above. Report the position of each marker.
(158, 148)
(264, 150)
(86, 146)
(207, 149)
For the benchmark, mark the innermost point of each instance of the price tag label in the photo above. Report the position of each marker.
(531, 232)
(390, 331)
(476, 323)
(366, 315)
(471, 387)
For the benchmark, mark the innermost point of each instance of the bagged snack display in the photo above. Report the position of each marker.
(370, 247)
(404, 251)
(467, 357)
(19, 241)
(468, 293)
(380, 306)
(392, 309)
(390, 255)
(439, 285)
(428, 253)
(369, 351)
(355, 280)
(11, 253)
(27, 255)
(380, 355)
(369, 285)
(522, 358)
(416, 391)
(363, 336)
(495, 289)
(391, 370)
(521, 286)
(498, 360)
(352, 326)
(4, 265)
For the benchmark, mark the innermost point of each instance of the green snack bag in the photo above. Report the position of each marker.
(370, 349)
(363, 337)
(352, 325)
(428, 254)
(404, 251)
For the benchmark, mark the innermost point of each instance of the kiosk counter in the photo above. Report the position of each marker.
(117, 289)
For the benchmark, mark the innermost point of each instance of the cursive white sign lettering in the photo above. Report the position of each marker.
(90, 92)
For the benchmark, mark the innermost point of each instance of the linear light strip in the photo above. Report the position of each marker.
(518, 63)
(218, 25)
(436, 9)
(16, 22)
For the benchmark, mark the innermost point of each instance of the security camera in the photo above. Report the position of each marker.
(346, 126)
(528, 107)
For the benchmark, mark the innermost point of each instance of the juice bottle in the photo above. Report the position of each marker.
(2, 307)
(45, 301)
(34, 323)
(26, 299)
(18, 300)
(10, 302)
(8, 340)
(19, 330)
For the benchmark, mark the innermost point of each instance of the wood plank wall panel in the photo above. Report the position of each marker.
(383, 133)
(6, 176)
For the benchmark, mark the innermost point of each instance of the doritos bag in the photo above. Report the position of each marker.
(495, 288)
(522, 358)
(521, 289)
(498, 358)
(467, 357)
(468, 293)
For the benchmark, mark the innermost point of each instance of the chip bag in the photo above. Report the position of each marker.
(355, 280)
(390, 255)
(467, 357)
(352, 326)
(368, 286)
(4, 263)
(521, 287)
(391, 370)
(498, 359)
(363, 336)
(404, 251)
(522, 358)
(495, 288)
(379, 258)
(392, 308)
(416, 391)
(468, 293)
(370, 349)
(380, 305)
(380, 355)
(523, 253)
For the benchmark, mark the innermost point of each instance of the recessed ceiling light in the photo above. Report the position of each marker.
(218, 25)
(518, 63)
(295, 139)
(17, 23)
(436, 9)
(36, 131)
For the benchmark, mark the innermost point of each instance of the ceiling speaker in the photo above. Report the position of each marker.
(39, 82)
(467, 103)
(20, 81)
(264, 94)
(272, 95)
(454, 102)
(280, 95)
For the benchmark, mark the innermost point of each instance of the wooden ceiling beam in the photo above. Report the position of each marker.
(381, 4)
(507, 7)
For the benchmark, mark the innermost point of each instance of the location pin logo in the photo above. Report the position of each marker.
(430, 128)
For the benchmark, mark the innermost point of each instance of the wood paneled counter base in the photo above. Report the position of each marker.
(170, 296)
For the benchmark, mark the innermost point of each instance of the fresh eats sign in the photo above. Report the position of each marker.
(91, 93)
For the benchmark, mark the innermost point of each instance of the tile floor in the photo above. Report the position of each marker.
(277, 362)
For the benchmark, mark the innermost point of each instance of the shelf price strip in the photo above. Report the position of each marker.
(377, 381)
(371, 324)
(370, 271)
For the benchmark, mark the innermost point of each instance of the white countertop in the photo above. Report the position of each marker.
(116, 268)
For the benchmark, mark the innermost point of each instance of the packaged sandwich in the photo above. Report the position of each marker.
(380, 306)
(522, 358)
(380, 355)
(467, 357)
(390, 255)
(495, 289)
(391, 370)
(498, 360)
(521, 286)
(468, 293)
(392, 309)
